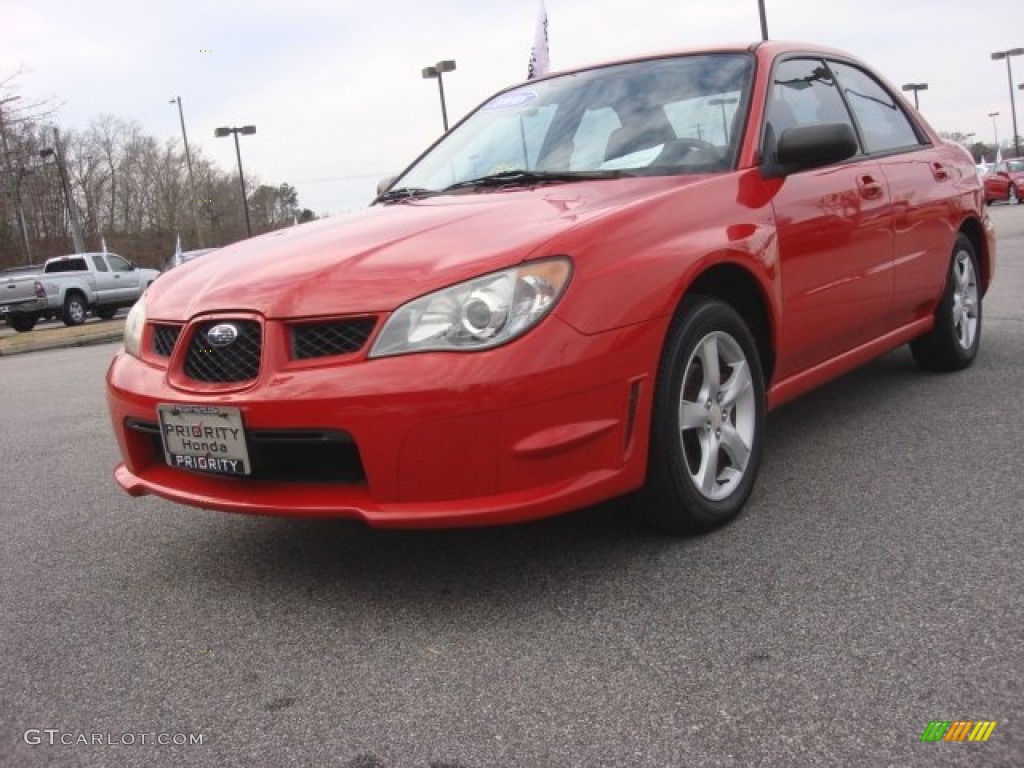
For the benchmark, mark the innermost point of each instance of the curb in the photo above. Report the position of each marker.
(84, 340)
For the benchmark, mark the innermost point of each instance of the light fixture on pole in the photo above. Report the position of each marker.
(1009, 80)
(191, 178)
(995, 128)
(915, 87)
(58, 156)
(245, 130)
(437, 71)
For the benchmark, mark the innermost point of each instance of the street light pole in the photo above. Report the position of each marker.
(58, 155)
(722, 104)
(191, 178)
(437, 71)
(995, 128)
(1009, 80)
(764, 19)
(245, 130)
(915, 87)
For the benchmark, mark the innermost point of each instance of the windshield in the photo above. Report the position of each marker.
(664, 116)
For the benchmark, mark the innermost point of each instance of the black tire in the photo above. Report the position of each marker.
(678, 497)
(106, 313)
(953, 342)
(75, 309)
(22, 323)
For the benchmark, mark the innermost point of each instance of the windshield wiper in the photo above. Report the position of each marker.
(403, 193)
(521, 177)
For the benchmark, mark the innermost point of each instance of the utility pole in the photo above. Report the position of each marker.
(15, 182)
(58, 154)
(191, 178)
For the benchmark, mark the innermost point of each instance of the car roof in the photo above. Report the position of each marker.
(765, 49)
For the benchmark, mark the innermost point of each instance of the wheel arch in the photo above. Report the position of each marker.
(974, 231)
(739, 288)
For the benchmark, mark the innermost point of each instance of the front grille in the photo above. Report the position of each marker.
(286, 455)
(164, 338)
(336, 337)
(238, 361)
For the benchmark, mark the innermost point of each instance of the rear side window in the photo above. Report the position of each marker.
(883, 125)
(101, 265)
(66, 265)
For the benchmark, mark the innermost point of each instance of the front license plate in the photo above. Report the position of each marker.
(204, 438)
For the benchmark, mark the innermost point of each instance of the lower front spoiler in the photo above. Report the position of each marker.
(354, 502)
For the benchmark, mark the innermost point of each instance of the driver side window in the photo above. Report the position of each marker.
(803, 92)
(118, 264)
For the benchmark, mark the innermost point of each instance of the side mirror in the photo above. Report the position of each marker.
(384, 184)
(810, 146)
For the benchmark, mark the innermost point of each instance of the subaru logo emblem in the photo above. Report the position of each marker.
(222, 335)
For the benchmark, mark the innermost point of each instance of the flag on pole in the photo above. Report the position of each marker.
(540, 63)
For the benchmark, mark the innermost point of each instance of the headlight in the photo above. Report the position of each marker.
(478, 314)
(133, 326)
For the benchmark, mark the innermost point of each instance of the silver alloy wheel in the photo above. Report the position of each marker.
(76, 309)
(717, 415)
(965, 299)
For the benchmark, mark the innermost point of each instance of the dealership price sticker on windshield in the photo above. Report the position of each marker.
(204, 438)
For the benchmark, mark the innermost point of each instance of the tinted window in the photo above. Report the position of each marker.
(101, 265)
(883, 124)
(66, 265)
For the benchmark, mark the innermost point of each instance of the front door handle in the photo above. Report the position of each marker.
(869, 188)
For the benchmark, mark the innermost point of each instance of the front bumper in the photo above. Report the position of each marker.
(553, 421)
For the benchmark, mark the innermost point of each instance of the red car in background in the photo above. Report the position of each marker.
(598, 282)
(1005, 182)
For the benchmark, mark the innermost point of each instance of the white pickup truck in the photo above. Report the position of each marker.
(69, 287)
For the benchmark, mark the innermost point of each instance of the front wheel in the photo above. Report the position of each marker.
(708, 421)
(74, 309)
(953, 342)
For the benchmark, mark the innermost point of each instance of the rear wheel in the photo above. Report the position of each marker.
(953, 343)
(708, 420)
(22, 323)
(74, 309)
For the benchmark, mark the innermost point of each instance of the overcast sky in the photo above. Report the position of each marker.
(334, 86)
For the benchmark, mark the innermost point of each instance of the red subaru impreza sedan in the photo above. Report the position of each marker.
(598, 282)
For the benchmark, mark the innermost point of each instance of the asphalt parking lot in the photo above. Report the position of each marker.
(872, 585)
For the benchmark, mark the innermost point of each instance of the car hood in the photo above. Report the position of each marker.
(377, 259)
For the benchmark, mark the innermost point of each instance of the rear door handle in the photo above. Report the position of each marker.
(869, 188)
